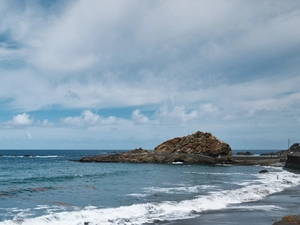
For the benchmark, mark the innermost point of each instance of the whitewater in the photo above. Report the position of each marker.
(46, 187)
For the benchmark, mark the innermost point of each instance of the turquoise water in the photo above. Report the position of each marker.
(45, 187)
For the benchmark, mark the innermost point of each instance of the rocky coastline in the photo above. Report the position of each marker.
(204, 148)
(196, 148)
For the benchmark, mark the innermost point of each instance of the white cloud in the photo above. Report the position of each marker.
(45, 123)
(178, 114)
(20, 120)
(222, 67)
(209, 109)
(139, 118)
(90, 119)
(118, 55)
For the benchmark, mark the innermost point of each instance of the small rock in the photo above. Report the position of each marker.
(263, 171)
(288, 220)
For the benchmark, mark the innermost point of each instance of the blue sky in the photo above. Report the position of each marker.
(93, 74)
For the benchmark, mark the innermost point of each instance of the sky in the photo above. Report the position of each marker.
(101, 74)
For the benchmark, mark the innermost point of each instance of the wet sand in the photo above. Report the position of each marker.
(249, 213)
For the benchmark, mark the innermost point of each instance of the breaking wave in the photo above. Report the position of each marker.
(167, 210)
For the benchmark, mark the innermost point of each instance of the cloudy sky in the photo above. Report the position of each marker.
(95, 74)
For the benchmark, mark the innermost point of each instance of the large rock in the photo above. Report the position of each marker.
(295, 147)
(201, 148)
(293, 161)
(197, 143)
(293, 158)
(288, 220)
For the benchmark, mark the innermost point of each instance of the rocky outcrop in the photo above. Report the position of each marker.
(295, 147)
(133, 156)
(197, 143)
(244, 153)
(288, 220)
(293, 161)
(293, 158)
(263, 171)
(197, 148)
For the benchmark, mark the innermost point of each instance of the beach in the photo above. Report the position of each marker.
(262, 212)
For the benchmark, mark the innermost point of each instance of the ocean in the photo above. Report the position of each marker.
(40, 187)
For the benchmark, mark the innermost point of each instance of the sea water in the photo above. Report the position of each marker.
(40, 187)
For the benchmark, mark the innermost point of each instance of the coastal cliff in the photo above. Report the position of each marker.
(197, 148)
(293, 161)
(293, 158)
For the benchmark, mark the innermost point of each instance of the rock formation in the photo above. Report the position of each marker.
(295, 147)
(293, 161)
(288, 220)
(197, 143)
(293, 158)
(244, 153)
(202, 148)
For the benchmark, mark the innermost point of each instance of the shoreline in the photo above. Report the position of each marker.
(280, 204)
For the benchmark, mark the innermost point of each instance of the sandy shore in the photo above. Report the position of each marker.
(286, 203)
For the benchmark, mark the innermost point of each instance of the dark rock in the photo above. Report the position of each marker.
(286, 181)
(295, 147)
(269, 153)
(28, 155)
(263, 171)
(293, 161)
(293, 150)
(244, 153)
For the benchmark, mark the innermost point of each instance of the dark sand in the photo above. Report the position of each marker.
(288, 201)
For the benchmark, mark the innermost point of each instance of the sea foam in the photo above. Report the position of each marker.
(168, 210)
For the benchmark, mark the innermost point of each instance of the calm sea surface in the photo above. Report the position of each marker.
(40, 187)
